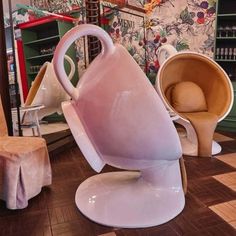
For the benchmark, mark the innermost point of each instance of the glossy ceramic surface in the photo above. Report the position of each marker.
(127, 199)
(117, 118)
(118, 107)
(50, 92)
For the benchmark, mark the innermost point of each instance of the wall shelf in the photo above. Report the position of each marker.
(39, 39)
(225, 46)
(33, 73)
(225, 60)
(43, 40)
(226, 38)
(40, 56)
(227, 15)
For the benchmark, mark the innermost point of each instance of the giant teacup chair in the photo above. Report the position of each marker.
(44, 98)
(198, 92)
(47, 91)
(117, 118)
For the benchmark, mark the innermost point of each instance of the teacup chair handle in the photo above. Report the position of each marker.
(65, 43)
(165, 52)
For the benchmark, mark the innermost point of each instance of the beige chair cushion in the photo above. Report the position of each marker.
(188, 99)
(187, 96)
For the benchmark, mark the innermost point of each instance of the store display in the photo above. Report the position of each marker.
(118, 107)
(225, 51)
(188, 103)
(226, 31)
(45, 50)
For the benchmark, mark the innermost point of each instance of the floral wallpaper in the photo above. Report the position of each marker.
(57, 6)
(18, 16)
(21, 15)
(127, 28)
(186, 24)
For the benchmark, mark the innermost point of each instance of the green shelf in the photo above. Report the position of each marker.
(43, 40)
(228, 15)
(40, 56)
(45, 35)
(32, 73)
(224, 60)
(226, 38)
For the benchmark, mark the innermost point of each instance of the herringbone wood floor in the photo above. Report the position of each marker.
(53, 211)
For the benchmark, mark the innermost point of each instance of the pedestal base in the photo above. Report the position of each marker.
(191, 149)
(125, 199)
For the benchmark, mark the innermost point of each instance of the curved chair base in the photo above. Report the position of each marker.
(191, 149)
(125, 199)
(188, 139)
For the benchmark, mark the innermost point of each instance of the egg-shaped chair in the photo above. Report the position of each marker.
(198, 94)
(117, 118)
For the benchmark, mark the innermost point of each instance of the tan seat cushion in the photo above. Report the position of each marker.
(188, 99)
(187, 96)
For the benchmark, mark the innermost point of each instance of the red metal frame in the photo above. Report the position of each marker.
(23, 74)
(44, 20)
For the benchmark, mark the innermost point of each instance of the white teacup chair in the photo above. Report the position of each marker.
(44, 98)
(198, 94)
(117, 118)
(47, 91)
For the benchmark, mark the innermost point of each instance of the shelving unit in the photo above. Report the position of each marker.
(225, 51)
(38, 42)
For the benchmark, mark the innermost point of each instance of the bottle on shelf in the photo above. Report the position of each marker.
(226, 53)
(234, 54)
(230, 54)
(222, 53)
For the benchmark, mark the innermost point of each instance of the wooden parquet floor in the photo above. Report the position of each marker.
(53, 211)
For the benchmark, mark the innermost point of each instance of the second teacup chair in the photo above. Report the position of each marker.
(199, 92)
(47, 91)
(44, 97)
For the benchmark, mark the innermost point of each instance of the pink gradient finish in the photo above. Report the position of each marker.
(117, 118)
(120, 110)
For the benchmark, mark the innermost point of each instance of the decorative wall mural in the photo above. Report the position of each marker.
(57, 6)
(186, 24)
(126, 28)
(19, 16)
